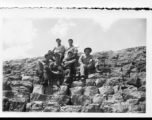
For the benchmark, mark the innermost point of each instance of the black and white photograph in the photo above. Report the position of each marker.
(74, 61)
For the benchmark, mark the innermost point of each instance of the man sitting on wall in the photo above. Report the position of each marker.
(86, 63)
(56, 71)
(42, 69)
(69, 67)
(41, 64)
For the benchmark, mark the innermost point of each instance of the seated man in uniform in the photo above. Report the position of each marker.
(69, 67)
(41, 64)
(42, 70)
(56, 71)
(86, 62)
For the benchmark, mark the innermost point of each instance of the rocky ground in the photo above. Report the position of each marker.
(119, 88)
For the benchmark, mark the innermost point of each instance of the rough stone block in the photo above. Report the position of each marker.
(77, 84)
(61, 99)
(76, 91)
(17, 104)
(36, 106)
(99, 82)
(90, 82)
(81, 100)
(38, 88)
(39, 97)
(63, 90)
(98, 99)
(51, 107)
(8, 93)
(107, 90)
(90, 90)
(91, 108)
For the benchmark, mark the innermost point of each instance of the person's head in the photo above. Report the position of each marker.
(87, 50)
(50, 54)
(58, 41)
(46, 56)
(70, 42)
(70, 54)
(57, 57)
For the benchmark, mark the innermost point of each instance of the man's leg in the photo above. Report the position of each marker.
(67, 73)
(73, 74)
(45, 76)
(51, 80)
(82, 70)
(90, 68)
(62, 57)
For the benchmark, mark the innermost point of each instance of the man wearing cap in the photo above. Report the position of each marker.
(86, 62)
(60, 49)
(68, 65)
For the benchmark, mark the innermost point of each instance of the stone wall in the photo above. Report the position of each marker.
(120, 87)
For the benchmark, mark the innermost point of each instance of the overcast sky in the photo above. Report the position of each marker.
(33, 37)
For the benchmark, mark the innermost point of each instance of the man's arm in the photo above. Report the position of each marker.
(75, 51)
(57, 73)
(64, 49)
(72, 61)
(64, 60)
(52, 70)
(91, 62)
(41, 61)
(53, 50)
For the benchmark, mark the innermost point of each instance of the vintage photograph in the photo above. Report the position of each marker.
(74, 60)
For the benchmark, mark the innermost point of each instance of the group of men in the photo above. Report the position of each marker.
(62, 62)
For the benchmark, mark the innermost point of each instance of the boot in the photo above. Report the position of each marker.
(82, 78)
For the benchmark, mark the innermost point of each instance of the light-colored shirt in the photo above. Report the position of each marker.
(72, 49)
(59, 49)
(85, 59)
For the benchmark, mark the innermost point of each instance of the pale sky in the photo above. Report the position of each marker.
(33, 37)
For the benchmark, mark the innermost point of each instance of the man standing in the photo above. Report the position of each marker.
(60, 49)
(86, 62)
